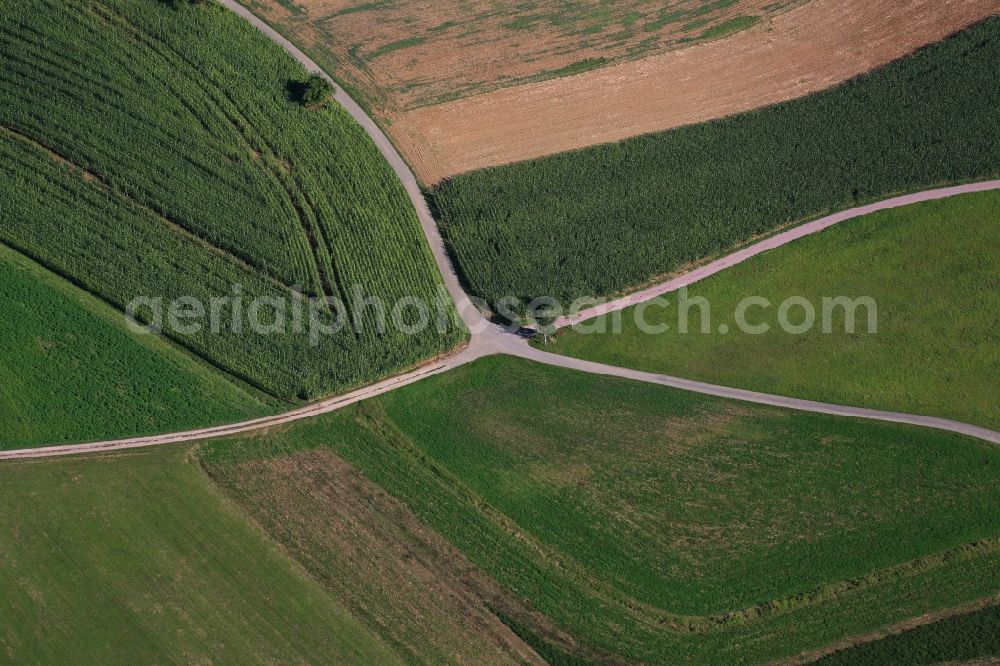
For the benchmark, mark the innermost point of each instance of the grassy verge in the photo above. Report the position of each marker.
(931, 270)
(72, 371)
(198, 171)
(600, 220)
(136, 558)
(661, 525)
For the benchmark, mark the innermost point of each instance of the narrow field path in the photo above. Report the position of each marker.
(759, 398)
(783, 238)
(494, 340)
(488, 339)
(308, 411)
(470, 314)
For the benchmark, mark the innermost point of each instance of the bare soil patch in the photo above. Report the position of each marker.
(392, 571)
(792, 54)
(403, 54)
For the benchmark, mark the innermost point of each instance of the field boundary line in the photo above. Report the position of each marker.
(99, 182)
(896, 629)
(744, 395)
(230, 376)
(772, 242)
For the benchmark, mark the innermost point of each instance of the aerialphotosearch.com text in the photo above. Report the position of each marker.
(238, 312)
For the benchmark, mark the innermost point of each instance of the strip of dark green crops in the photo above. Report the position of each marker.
(972, 635)
(600, 220)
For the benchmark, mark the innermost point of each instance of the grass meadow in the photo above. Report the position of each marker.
(148, 150)
(932, 270)
(660, 525)
(72, 371)
(601, 220)
(137, 558)
(423, 597)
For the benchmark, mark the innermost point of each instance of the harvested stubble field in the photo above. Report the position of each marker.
(619, 518)
(153, 151)
(806, 50)
(601, 220)
(404, 54)
(466, 85)
(933, 272)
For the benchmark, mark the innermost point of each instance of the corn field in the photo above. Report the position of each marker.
(147, 150)
(598, 221)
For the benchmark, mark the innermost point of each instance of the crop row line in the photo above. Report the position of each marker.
(173, 225)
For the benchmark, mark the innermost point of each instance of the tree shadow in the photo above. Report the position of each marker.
(294, 90)
(177, 4)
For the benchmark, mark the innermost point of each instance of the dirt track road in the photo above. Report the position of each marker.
(489, 339)
(470, 315)
(493, 340)
(771, 243)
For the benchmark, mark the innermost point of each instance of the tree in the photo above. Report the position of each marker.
(316, 92)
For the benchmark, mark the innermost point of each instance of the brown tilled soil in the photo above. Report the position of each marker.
(390, 570)
(409, 53)
(807, 49)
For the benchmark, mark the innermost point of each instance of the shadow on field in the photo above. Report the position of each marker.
(295, 91)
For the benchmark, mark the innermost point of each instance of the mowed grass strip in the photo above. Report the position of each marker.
(72, 371)
(194, 171)
(601, 220)
(661, 525)
(933, 272)
(137, 558)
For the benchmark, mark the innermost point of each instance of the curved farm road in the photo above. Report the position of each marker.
(495, 340)
(775, 241)
(488, 339)
(759, 398)
(470, 314)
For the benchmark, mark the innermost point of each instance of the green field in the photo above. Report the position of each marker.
(604, 219)
(153, 151)
(965, 637)
(137, 558)
(933, 272)
(422, 596)
(661, 525)
(70, 370)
